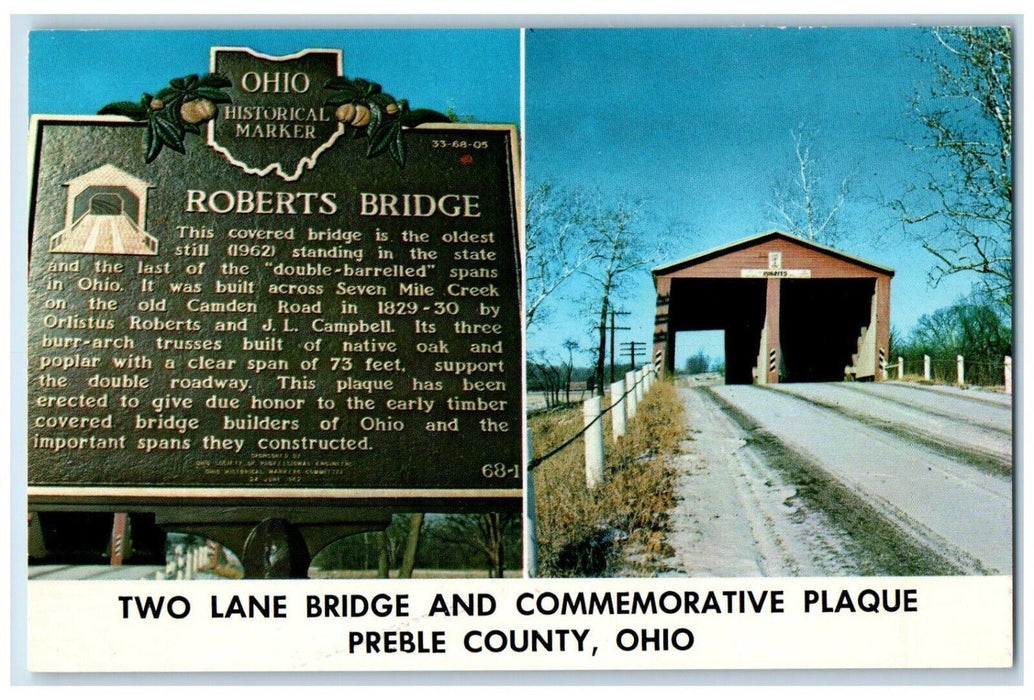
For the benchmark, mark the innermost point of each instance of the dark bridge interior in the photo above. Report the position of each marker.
(820, 322)
(106, 200)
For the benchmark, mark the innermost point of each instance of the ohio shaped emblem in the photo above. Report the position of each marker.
(277, 121)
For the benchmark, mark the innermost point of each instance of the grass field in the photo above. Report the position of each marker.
(619, 528)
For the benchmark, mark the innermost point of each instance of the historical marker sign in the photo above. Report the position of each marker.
(276, 312)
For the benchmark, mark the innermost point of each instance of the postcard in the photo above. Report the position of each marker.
(504, 349)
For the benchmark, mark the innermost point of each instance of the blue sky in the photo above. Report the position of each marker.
(698, 122)
(475, 71)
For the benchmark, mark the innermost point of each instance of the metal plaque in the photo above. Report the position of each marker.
(231, 321)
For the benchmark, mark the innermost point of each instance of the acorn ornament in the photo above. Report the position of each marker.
(362, 116)
(197, 111)
(353, 114)
(174, 111)
(345, 113)
(375, 115)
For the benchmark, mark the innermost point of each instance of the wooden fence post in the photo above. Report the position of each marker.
(926, 367)
(633, 402)
(960, 370)
(617, 413)
(1008, 374)
(531, 537)
(593, 442)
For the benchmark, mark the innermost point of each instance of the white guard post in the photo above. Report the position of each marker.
(617, 412)
(593, 442)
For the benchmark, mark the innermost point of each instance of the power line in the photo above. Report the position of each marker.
(631, 349)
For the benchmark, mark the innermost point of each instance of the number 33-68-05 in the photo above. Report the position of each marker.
(444, 143)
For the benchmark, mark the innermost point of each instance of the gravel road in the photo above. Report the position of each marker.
(737, 516)
(982, 432)
(817, 479)
(974, 407)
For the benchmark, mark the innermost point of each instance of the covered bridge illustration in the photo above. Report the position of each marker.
(792, 310)
(104, 215)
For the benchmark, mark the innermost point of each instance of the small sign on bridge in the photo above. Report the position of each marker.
(756, 273)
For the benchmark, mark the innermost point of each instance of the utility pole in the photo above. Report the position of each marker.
(629, 348)
(613, 327)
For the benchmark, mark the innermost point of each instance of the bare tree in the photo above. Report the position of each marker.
(573, 232)
(548, 374)
(698, 363)
(617, 235)
(570, 345)
(416, 521)
(972, 326)
(805, 201)
(556, 244)
(962, 213)
(485, 533)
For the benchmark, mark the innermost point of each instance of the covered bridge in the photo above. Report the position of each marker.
(791, 310)
(104, 215)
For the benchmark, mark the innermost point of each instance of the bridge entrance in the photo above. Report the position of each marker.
(791, 310)
(735, 307)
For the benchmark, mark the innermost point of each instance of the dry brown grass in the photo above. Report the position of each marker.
(619, 528)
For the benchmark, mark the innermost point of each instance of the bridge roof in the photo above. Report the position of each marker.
(107, 175)
(761, 239)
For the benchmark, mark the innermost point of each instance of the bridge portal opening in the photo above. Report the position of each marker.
(735, 308)
(106, 200)
(821, 321)
(699, 352)
(106, 205)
